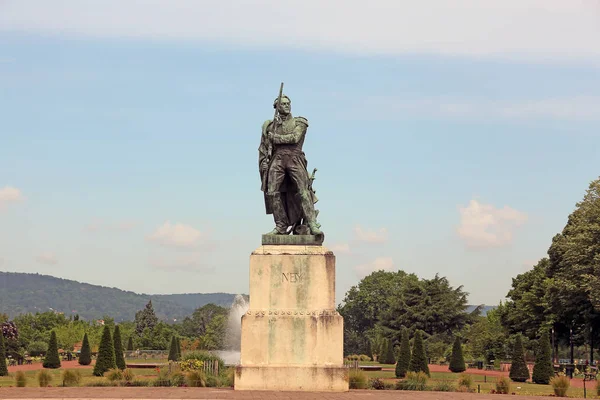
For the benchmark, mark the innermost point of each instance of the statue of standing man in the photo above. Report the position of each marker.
(286, 183)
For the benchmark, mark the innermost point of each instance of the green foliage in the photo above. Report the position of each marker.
(191, 365)
(413, 381)
(560, 385)
(195, 379)
(118, 344)
(130, 344)
(3, 367)
(37, 348)
(403, 361)
(173, 356)
(357, 378)
(71, 377)
(369, 349)
(465, 381)
(145, 319)
(114, 374)
(20, 379)
(388, 353)
(85, 357)
(202, 356)
(52, 360)
(44, 378)
(503, 385)
(518, 366)
(377, 384)
(543, 370)
(486, 337)
(418, 361)
(177, 342)
(457, 361)
(128, 375)
(443, 386)
(106, 354)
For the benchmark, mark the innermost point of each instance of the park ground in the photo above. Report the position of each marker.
(483, 382)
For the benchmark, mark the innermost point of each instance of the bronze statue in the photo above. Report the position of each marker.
(286, 184)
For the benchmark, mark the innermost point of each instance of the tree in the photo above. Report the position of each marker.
(173, 356)
(518, 367)
(85, 357)
(214, 336)
(418, 361)
(543, 369)
(145, 319)
(197, 324)
(118, 344)
(178, 348)
(130, 344)
(3, 367)
(52, 360)
(388, 353)
(369, 349)
(457, 361)
(403, 361)
(106, 354)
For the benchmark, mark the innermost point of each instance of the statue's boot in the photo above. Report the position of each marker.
(279, 215)
(308, 209)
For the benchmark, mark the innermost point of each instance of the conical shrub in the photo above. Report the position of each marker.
(52, 360)
(178, 348)
(130, 344)
(85, 357)
(543, 370)
(404, 355)
(418, 360)
(457, 361)
(119, 359)
(388, 355)
(106, 354)
(518, 366)
(3, 367)
(173, 350)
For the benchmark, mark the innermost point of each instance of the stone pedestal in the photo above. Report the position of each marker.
(292, 337)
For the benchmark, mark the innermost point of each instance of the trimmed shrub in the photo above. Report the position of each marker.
(543, 370)
(71, 377)
(404, 355)
(106, 354)
(503, 385)
(20, 379)
(369, 349)
(118, 344)
(52, 360)
(178, 348)
(418, 360)
(130, 344)
(413, 381)
(457, 361)
(560, 384)
(44, 378)
(388, 355)
(518, 366)
(357, 379)
(173, 356)
(85, 357)
(3, 367)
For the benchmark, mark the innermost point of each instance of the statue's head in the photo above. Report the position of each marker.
(286, 105)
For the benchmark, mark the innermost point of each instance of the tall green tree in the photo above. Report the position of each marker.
(197, 324)
(518, 367)
(403, 361)
(118, 344)
(418, 360)
(177, 342)
(173, 356)
(106, 354)
(145, 319)
(3, 367)
(130, 344)
(543, 370)
(388, 353)
(52, 360)
(85, 357)
(457, 361)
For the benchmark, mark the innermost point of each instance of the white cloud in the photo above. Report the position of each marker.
(558, 30)
(561, 108)
(104, 226)
(47, 258)
(340, 248)
(380, 263)
(483, 225)
(187, 263)
(177, 235)
(9, 194)
(370, 236)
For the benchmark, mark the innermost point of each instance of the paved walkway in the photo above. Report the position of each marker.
(114, 393)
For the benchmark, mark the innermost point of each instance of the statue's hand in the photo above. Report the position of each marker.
(270, 136)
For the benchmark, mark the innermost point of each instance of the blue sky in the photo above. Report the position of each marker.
(447, 141)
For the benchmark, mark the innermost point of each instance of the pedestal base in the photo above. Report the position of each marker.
(292, 378)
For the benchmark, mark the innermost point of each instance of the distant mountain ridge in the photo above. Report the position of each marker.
(30, 293)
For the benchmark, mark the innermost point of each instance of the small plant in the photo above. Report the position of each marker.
(20, 379)
(443, 386)
(71, 377)
(177, 378)
(503, 385)
(44, 378)
(195, 379)
(364, 357)
(377, 384)
(413, 381)
(128, 375)
(465, 382)
(114, 374)
(560, 384)
(357, 379)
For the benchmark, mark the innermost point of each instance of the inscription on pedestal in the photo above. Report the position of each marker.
(291, 277)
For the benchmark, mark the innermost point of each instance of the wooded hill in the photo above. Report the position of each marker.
(30, 293)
